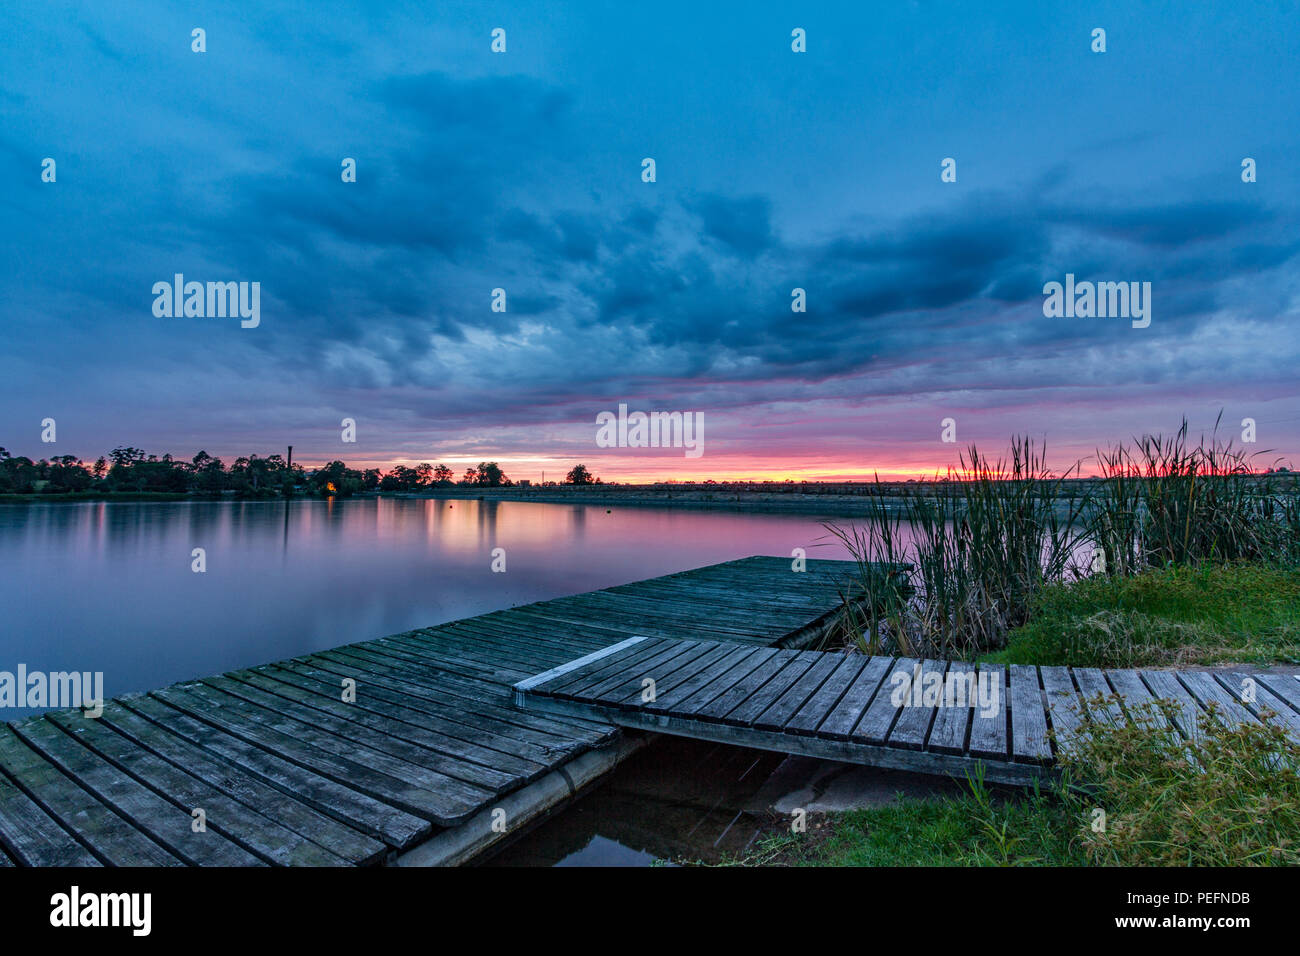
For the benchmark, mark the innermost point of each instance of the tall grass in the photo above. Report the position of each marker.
(981, 541)
(1167, 502)
(978, 544)
(1230, 796)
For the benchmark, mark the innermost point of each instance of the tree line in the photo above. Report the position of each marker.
(131, 470)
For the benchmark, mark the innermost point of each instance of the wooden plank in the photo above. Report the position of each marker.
(394, 826)
(1030, 740)
(879, 717)
(472, 697)
(346, 732)
(796, 697)
(1098, 696)
(507, 664)
(348, 843)
(1065, 707)
(1285, 687)
(748, 710)
(631, 691)
(619, 685)
(840, 722)
(540, 680)
(507, 625)
(912, 724)
(359, 767)
(745, 688)
(711, 690)
(953, 719)
(433, 743)
(239, 823)
(988, 722)
(727, 664)
(1187, 710)
(819, 706)
(653, 648)
(453, 655)
(33, 836)
(1266, 702)
(736, 625)
(111, 838)
(164, 822)
(1137, 698)
(687, 675)
(895, 758)
(1207, 690)
(374, 697)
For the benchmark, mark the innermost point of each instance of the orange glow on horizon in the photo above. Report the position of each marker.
(687, 472)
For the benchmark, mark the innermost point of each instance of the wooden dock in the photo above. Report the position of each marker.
(1015, 721)
(283, 769)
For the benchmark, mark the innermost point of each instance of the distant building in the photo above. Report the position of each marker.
(524, 483)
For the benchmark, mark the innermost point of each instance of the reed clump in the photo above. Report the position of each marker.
(982, 541)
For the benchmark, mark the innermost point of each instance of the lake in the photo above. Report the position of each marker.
(109, 586)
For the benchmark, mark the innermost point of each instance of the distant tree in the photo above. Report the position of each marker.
(404, 479)
(207, 474)
(66, 473)
(125, 457)
(442, 475)
(470, 477)
(18, 474)
(133, 470)
(336, 480)
(490, 473)
(579, 475)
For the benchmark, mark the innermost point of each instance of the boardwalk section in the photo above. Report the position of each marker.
(352, 755)
(923, 715)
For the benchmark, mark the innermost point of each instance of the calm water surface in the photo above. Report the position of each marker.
(108, 586)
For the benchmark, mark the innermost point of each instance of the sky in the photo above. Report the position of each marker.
(523, 170)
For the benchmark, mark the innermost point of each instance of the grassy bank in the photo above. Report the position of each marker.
(1164, 617)
(1231, 798)
(1178, 554)
(991, 551)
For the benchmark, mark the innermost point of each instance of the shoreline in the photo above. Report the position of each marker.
(827, 505)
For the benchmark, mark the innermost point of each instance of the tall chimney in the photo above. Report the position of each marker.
(290, 463)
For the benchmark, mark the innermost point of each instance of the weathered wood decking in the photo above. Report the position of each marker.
(286, 772)
(845, 707)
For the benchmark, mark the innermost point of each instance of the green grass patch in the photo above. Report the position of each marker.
(1231, 798)
(977, 829)
(1170, 616)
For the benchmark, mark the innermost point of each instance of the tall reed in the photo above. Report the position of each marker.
(980, 541)
(1165, 501)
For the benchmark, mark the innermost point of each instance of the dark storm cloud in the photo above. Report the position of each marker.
(742, 225)
(523, 173)
(1169, 226)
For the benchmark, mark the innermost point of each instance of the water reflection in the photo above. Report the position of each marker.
(108, 586)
